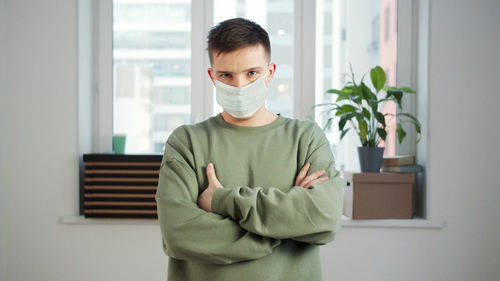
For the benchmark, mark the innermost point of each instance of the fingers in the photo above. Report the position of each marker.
(315, 181)
(210, 170)
(302, 173)
(212, 177)
(311, 177)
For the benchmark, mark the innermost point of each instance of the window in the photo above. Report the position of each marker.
(160, 73)
(159, 61)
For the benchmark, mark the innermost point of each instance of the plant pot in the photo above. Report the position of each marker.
(370, 158)
(119, 144)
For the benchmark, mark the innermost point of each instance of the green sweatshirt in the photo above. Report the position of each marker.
(261, 227)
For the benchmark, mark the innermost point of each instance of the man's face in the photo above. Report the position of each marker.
(241, 67)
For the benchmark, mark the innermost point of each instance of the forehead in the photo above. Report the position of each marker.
(240, 59)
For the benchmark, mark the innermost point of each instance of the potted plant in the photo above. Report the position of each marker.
(359, 105)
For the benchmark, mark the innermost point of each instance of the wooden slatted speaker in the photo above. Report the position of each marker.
(120, 186)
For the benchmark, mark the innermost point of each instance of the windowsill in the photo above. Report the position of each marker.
(346, 222)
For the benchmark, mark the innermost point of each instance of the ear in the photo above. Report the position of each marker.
(271, 70)
(211, 75)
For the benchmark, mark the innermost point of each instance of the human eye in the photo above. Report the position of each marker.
(252, 73)
(225, 75)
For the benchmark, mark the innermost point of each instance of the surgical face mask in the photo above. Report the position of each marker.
(241, 102)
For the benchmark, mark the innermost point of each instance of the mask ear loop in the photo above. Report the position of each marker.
(264, 76)
(267, 72)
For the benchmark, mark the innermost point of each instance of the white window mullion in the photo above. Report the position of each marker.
(422, 66)
(406, 69)
(102, 119)
(319, 57)
(304, 62)
(201, 86)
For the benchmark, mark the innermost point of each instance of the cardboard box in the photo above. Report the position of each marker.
(378, 195)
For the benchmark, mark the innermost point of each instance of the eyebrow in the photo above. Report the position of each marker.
(249, 69)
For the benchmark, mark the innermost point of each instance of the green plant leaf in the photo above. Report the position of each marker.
(339, 112)
(347, 89)
(377, 75)
(380, 118)
(413, 118)
(324, 104)
(401, 132)
(357, 99)
(363, 129)
(348, 108)
(366, 113)
(415, 123)
(382, 133)
(371, 142)
(417, 128)
(344, 132)
(419, 134)
(399, 96)
(370, 97)
(407, 90)
(334, 91)
(342, 96)
(328, 124)
(390, 88)
(343, 120)
(356, 95)
(352, 73)
(395, 95)
(383, 100)
(329, 111)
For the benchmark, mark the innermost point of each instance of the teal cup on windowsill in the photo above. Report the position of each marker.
(119, 144)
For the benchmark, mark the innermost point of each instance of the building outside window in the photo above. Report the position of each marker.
(151, 46)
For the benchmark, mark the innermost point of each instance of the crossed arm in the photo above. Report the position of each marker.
(302, 214)
(190, 233)
(205, 198)
(246, 223)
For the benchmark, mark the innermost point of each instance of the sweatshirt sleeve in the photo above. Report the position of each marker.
(190, 233)
(310, 215)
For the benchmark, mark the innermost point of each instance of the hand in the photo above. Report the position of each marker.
(313, 178)
(205, 198)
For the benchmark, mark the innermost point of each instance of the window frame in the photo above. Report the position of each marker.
(95, 104)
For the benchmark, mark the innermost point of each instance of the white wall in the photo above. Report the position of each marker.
(3, 252)
(39, 162)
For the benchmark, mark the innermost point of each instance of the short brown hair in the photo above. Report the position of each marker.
(234, 34)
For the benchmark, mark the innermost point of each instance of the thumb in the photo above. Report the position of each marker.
(212, 177)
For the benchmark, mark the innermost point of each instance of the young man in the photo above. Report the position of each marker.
(236, 200)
